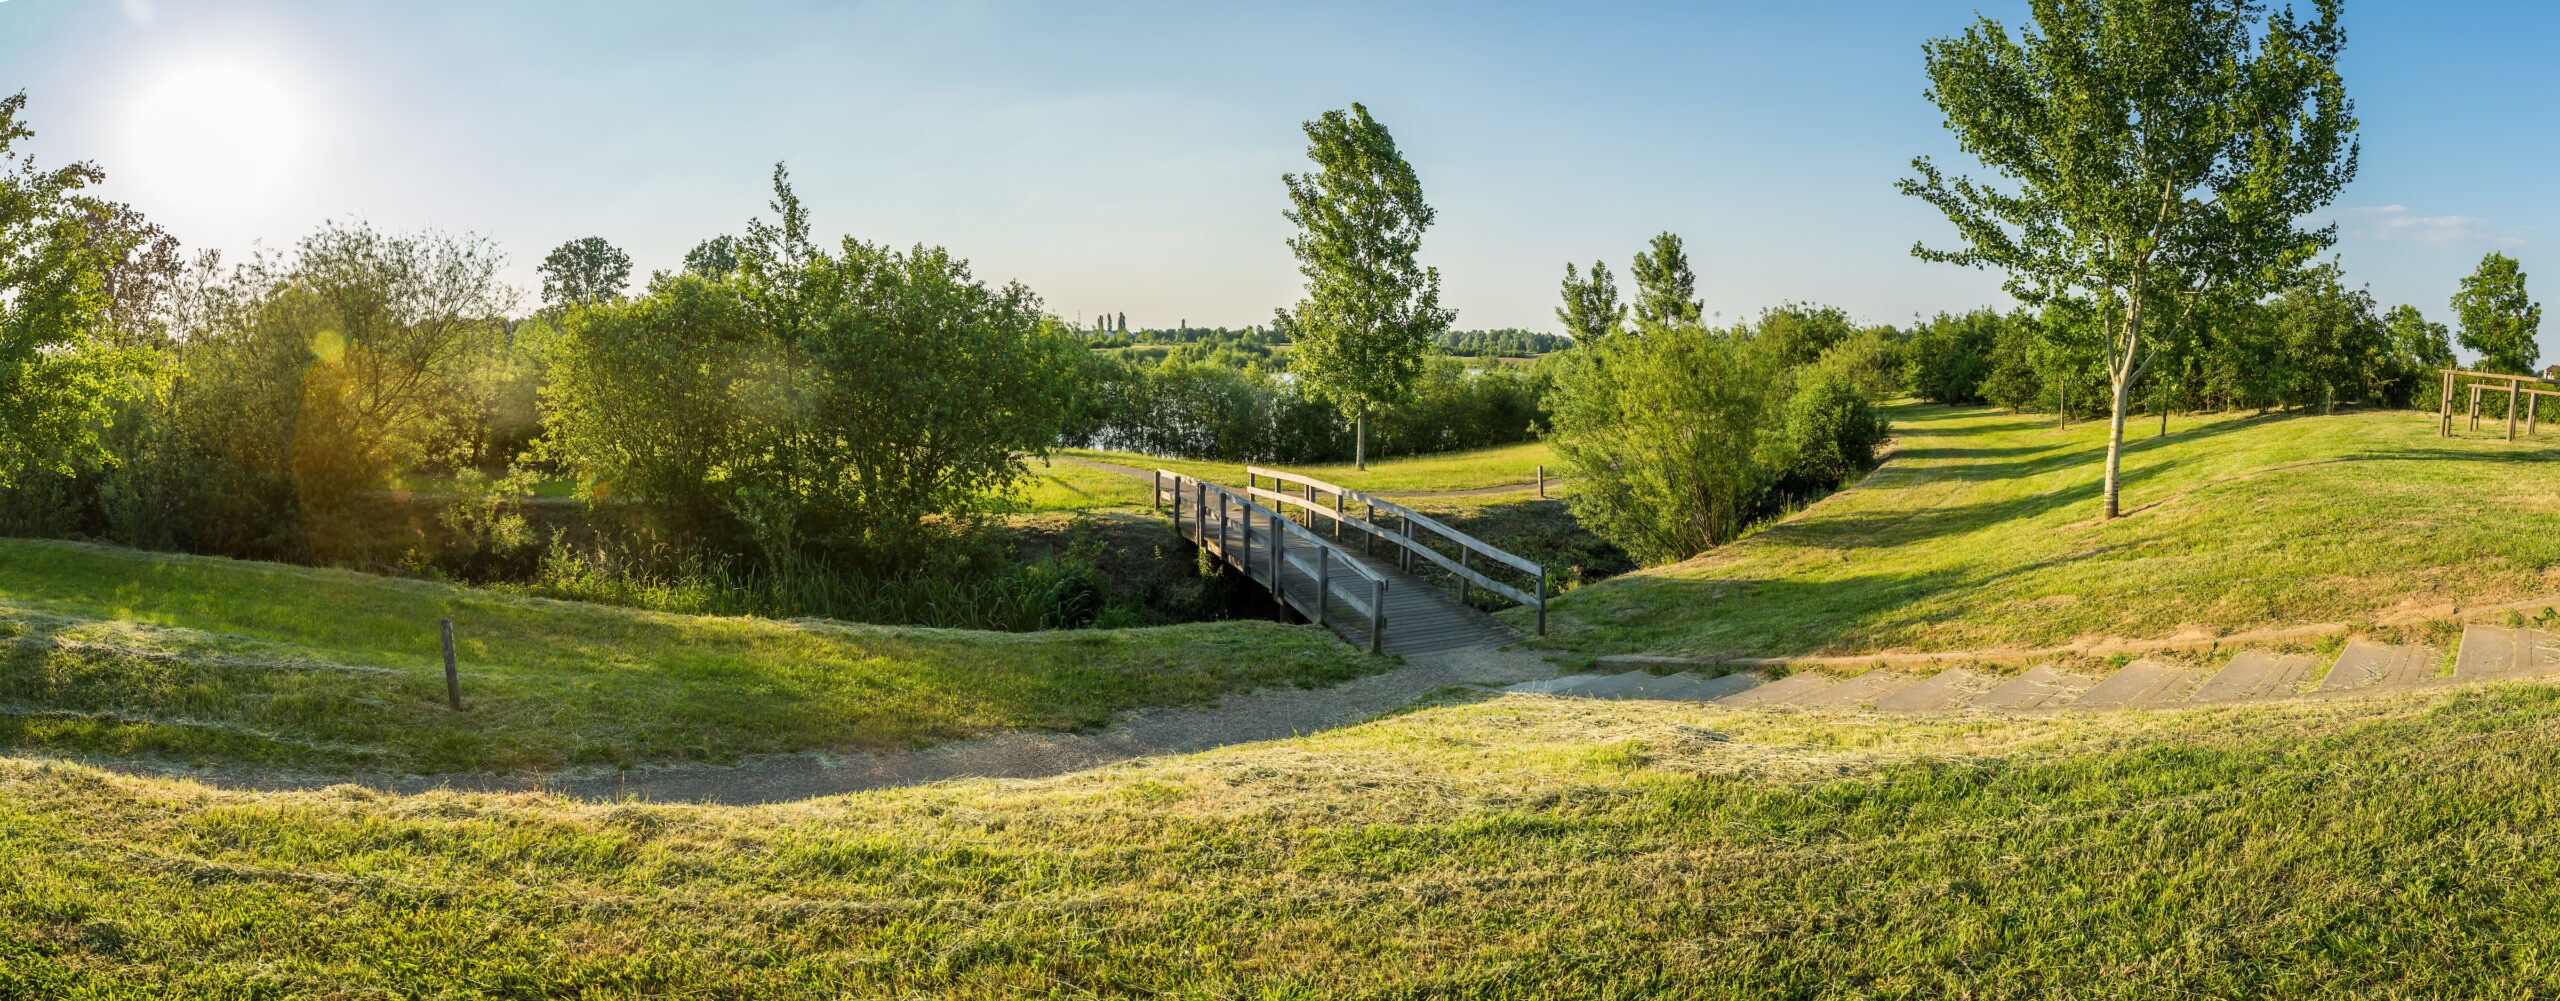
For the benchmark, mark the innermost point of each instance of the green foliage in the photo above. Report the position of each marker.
(1591, 312)
(844, 405)
(1371, 309)
(1947, 359)
(60, 376)
(2335, 347)
(715, 258)
(1666, 290)
(1670, 438)
(2420, 350)
(1870, 359)
(1832, 431)
(1798, 333)
(583, 272)
(2499, 318)
(2160, 153)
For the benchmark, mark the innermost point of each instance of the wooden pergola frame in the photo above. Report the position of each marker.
(2492, 382)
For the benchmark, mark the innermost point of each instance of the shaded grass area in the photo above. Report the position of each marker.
(1508, 465)
(125, 653)
(1517, 848)
(1981, 532)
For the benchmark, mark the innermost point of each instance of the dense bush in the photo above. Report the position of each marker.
(848, 406)
(1681, 437)
(1948, 358)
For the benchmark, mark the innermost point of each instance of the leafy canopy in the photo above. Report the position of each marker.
(583, 272)
(2499, 318)
(1590, 312)
(1666, 290)
(2157, 152)
(1371, 310)
(59, 381)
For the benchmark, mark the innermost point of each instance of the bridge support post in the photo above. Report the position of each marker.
(1464, 588)
(1199, 513)
(1337, 517)
(1404, 557)
(1369, 539)
(1324, 586)
(1279, 545)
(1378, 616)
(1542, 601)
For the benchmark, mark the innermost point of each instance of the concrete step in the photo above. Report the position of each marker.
(2141, 684)
(1550, 686)
(2365, 665)
(2254, 674)
(1669, 688)
(1862, 690)
(2041, 688)
(1786, 689)
(1615, 686)
(1950, 689)
(1722, 685)
(2503, 652)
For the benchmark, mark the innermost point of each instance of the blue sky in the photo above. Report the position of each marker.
(1126, 157)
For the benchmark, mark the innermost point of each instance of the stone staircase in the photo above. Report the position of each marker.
(2488, 653)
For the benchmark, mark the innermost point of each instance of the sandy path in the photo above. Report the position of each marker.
(1266, 714)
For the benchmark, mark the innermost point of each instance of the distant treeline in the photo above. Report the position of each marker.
(1507, 342)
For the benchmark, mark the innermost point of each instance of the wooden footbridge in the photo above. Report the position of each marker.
(1360, 565)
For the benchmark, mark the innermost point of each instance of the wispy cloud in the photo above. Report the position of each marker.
(2400, 222)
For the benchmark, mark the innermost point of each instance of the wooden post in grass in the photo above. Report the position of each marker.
(2515, 395)
(2444, 407)
(1542, 482)
(1155, 495)
(2475, 406)
(452, 677)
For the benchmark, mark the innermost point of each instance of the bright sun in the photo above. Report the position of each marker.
(215, 134)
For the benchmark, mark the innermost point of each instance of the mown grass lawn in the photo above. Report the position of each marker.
(1525, 847)
(1982, 531)
(1504, 466)
(125, 653)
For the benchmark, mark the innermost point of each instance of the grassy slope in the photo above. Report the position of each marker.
(126, 653)
(1524, 848)
(1981, 532)
(1508, 465)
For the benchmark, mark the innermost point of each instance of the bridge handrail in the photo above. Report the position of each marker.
(1410, 517)
(1372, 608)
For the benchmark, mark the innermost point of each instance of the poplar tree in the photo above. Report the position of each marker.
(1666, 290)
(1590, 313)
(2159, 153)
(1371, 310)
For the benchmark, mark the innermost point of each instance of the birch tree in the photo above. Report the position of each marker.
(2155, 153)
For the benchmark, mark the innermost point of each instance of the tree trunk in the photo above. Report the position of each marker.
(2115, 442)
(1360, 442)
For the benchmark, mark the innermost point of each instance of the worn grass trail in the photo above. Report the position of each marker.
(125, 653)
(1981, 532)
(1523, 847)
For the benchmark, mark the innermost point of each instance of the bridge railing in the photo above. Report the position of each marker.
(1410, 540)
(1223, 521)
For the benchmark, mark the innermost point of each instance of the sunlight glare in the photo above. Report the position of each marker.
(214, 135)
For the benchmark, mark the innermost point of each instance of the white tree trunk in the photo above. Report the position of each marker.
(1360, 443)
(2115, 440)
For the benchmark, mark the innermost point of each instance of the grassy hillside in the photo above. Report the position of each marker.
(1520, 848)
(126, 653)
(1982, 531)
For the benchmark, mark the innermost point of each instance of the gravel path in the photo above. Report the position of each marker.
(1267, 714)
